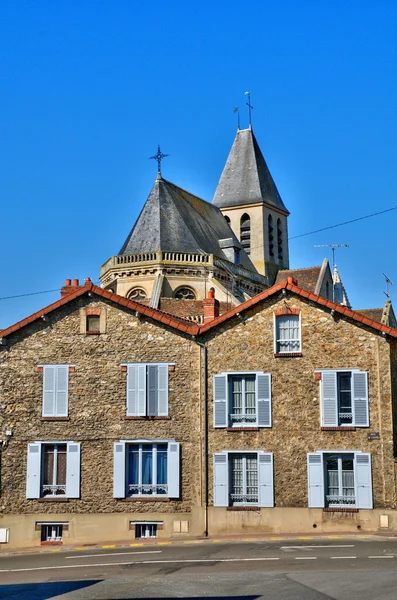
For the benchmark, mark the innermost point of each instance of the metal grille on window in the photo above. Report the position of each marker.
(146, 530)
(340, 481)
(243, 404)
(51, 533)
(185, 293)
(147, 469)
(54, 470)
(244, 479)
(245, 233)
(288, 339)
(92, 322)
(137, 294)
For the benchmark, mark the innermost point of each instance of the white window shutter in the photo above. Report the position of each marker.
(173, 470)
(363, 477)
(33, 478)
(49, 379)
(315, 477)
(141, 405)
(329, 399)
(119, 468)
(220, 401)
(62, 380)
(73, 470)
(264, 399)
(163, 390)
(265, 479)
(132, 390)
(220, 480)
(360, 399)
(152, 390)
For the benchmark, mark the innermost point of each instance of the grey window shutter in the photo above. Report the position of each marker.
(363, 477)
(119, 468)
(220, 480)
(132, 390)
(152, 390)
(220, 401)
(315, 477)
(33, 478)
(62, 380)
(73, 470)
(329, 399)
(265, 479)
(264, 399)
(49, 402)
(163, 390)
(173, 470)
(360, 399)
(141, 405)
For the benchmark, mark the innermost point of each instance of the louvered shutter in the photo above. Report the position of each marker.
(152, 390)
(363, 477)
(33, 479)
(360, 399)
(132, 390)
(49, 397)
(315, 477)
(141, 405)
(220, 401)
(220, 480)
(173, 469)
(119, 469)
(329, 399)
(265, 479)
(263, 390)
(62, 379)
(163, 390)
(73, 470)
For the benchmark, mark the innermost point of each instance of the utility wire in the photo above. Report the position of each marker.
(35, 293)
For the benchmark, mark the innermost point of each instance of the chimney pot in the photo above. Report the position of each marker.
(75, 282)
(68, 282)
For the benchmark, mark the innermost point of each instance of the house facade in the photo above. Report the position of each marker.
(119, 421)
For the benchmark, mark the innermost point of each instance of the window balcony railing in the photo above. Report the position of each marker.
(239, 418)
(53, 490)
(340, 501)
(244, 498)
(148, 489)
(345, 416)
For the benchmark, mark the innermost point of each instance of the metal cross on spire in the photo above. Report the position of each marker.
(249, 107)
(159, 157)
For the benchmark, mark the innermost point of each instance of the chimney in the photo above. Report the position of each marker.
(210, 306)
(68, 288)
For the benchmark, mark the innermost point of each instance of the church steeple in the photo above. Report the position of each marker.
(248, 198)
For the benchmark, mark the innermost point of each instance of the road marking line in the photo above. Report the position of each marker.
(111, 546)
(384, 556)
(327, 546)
(133, 545)
(305, 537)
(305, 557)
(113, 554)
(342, 557)
(163, 543)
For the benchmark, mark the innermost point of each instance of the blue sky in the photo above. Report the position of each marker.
(89, 88)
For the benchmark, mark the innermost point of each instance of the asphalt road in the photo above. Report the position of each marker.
(347, 569)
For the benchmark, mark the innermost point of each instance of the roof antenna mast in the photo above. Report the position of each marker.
(159, 156)
(249, 108)
(388, 282)
(333, 248)
(236, 110)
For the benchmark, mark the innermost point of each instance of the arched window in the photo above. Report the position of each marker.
(227, 219)
(245, 233)
(185, 293)
(137, 294)
(270, 234)
(279, 240)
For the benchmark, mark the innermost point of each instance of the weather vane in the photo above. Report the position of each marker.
(159, 157)
(249, 106)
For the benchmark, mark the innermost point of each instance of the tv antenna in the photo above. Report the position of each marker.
(333, 248)
(388, 283)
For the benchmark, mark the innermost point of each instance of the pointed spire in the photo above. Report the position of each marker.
(340, 295)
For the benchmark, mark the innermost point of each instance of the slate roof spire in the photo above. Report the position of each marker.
(246, 178)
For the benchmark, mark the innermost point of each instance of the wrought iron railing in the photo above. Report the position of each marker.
(344, 500)
(244, 498)
(148, 489)
(54, 490)
(242, 418)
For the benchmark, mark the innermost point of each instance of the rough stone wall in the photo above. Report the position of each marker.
(97, 406)
(247, 344)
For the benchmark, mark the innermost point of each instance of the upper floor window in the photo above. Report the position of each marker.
(243, 479)
(344, 399)
(185, 293)
(242, 400)
(144, 469)
(288, 334)
(245, 233)
(270, 235)
(137, 294)
(55, 390)
(147, 389)
(92, 323)
(53, 470)
(279, 241)
(227, 219)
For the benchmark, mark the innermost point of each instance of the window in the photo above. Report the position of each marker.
(245, 233)
(339, 480)
(51, 532)
(227, 219)
(137, 294)
(55, 390)
(185, 293)
(143, 469)
(92, 323)
(242, 400)
(270, 234)
(145, 530)
(243, 479)
(147, 389)
(279, 241)
(288, 334)
(53, 470)
(344, 399)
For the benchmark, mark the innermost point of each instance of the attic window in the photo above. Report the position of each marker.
(185, 293)
(245, 233)
(93, 323)
(137, 294)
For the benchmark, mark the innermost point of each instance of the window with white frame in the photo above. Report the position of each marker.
(51, 532)
(288, 334)
(243, 479)
(242, 400)
(146, 530)
(55, 390)
(146, 469)
(53, 470)
(147, 389)
(344, 398)
(339, 480)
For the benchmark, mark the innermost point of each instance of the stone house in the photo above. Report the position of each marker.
(119, 421)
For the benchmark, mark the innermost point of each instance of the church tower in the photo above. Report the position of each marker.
(249, 200)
